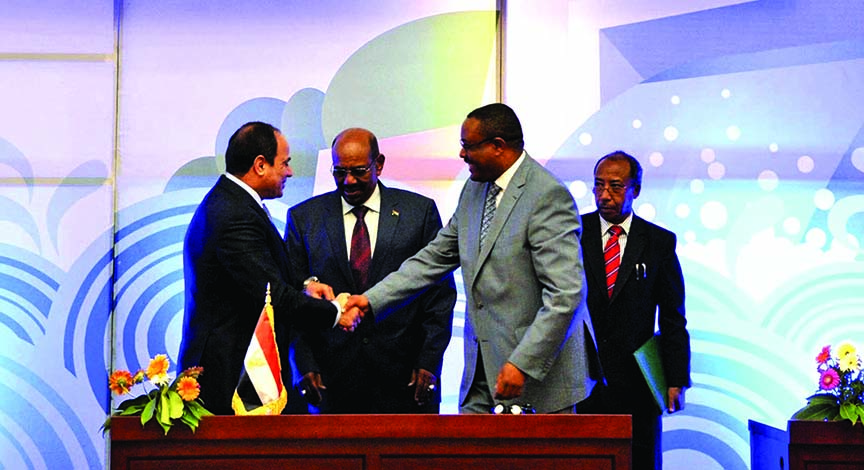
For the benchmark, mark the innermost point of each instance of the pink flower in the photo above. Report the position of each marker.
(829, 379)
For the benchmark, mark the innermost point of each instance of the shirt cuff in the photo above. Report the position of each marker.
(338, 312)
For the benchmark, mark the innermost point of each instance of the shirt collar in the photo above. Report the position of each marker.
(373, 203)
(245, 187)
(604, 224)
(505, 177)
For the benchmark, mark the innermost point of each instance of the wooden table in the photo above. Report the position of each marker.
(372, 442)
(818, 445)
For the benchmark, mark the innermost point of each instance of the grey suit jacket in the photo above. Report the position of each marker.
(525, 290)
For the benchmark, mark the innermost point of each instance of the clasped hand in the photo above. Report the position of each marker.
(351, 313)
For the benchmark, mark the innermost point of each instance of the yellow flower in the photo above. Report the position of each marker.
(157, 370)
(188, 388)
(846, 349)
(120, 382)
(850, 362)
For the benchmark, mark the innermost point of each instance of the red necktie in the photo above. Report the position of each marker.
(361, 251)
(612, 257)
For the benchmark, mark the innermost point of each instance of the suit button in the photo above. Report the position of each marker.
(365, 340)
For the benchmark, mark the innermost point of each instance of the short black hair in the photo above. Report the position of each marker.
(622, 156)
(250, 140)
(499, 120)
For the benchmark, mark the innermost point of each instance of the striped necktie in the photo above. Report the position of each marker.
(488, 211)
(361, 251)
(612, 258)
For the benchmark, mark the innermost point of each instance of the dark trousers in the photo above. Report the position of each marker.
(647, 427)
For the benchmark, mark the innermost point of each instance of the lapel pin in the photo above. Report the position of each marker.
(394, 212)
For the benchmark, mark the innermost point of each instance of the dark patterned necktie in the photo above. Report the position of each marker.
(488, 211)
(361, 251)
(612, 257)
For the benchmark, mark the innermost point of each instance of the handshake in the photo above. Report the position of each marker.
(352, 307)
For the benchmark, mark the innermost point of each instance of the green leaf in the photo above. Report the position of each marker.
(850, 412)
(165, 426)
(822, 398)
(196, 408)
(190, 420)
(106, 426)
(175, 404)
(147, 413)
(164, 416)
(817, 412)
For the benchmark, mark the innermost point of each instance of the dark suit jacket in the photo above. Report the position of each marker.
(385, 351)
(230, 253)
(627, 320)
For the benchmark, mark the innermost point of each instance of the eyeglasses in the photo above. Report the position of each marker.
(468, 147)
(357, 171)
(613, 188)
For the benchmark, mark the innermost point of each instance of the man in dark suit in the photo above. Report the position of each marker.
(230, 254)
(515, 233)
(391, 366)
(646, 286)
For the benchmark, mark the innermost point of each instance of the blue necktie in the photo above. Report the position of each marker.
(488, 211)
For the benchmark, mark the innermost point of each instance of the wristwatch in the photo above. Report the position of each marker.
(309, 280)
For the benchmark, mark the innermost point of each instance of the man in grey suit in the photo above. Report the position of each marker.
(527, 330)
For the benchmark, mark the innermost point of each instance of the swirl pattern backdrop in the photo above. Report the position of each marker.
(116, 116)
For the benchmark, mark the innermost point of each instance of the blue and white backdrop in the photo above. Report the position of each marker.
(114, 117)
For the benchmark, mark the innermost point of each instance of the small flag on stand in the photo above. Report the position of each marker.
(260, 390)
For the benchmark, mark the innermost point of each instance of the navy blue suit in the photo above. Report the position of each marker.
(230, 253)
(368, 371)
(627, 320)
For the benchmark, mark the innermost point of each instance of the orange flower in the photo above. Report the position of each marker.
(824, 355)
(188, 388)
(120, 382)
(157, 370)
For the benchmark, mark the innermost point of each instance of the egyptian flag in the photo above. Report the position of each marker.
(260, 390)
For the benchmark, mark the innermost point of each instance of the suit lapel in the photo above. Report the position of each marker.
(504, 210)
(334, 226)
(593, 248)
(274, 242)
(632, 253)
(388, 221)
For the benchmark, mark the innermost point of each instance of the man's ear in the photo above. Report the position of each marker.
(636, 190)
(258, 165)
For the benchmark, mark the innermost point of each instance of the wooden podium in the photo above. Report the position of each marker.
(807, 445)
(373, 442)
(817, 445)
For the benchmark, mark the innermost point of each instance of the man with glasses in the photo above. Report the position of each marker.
(633, 273)
(515, 233)
(351, 238)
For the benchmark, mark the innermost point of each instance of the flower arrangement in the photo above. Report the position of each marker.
(168, 401)
(841, 385)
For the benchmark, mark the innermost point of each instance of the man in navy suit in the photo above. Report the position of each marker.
(648, 285)
(230, 254)
(392, 366)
